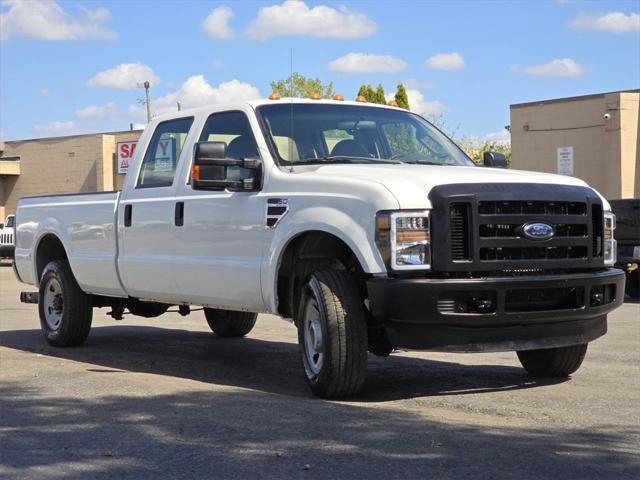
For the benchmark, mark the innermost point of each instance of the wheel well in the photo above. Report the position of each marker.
(307, 252)
(49, 248)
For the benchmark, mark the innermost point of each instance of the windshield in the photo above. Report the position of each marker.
(313, 134)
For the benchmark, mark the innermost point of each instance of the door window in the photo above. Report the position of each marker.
(162, 155)
(232, 128)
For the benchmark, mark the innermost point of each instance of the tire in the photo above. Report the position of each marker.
(65, 310)
(632, 287)
(229, 324)
(332, 334)
(553, 362)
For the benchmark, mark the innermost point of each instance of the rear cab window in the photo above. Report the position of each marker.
(161, 158)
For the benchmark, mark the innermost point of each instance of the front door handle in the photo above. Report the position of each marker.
(179, 214)
(127, 214)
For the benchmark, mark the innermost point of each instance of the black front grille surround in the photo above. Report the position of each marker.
(477, 227)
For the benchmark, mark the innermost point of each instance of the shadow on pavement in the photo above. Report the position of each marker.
(267, 366)
(248, 434)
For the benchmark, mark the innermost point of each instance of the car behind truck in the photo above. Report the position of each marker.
(364, 224)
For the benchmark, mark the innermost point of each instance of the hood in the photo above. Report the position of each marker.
(411, 184)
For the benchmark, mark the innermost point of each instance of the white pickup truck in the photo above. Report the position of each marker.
(364, 224)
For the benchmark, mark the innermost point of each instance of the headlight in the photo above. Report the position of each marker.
(404, 239)
(610, 244)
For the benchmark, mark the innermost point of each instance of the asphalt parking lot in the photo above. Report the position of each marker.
(165, 398)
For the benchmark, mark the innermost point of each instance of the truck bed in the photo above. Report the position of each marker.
(86, 225)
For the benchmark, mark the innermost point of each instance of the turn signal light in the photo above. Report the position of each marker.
(338, 97)
(274, 96)
(392, 103)
(315, 96)
(360, 98)
(195, 172)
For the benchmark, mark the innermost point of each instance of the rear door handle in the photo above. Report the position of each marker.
(127, 214)
(179, 214)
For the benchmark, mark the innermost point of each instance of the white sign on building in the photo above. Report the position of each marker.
(125, 151)
(565, 160)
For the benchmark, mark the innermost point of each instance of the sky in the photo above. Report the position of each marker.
(69, 67)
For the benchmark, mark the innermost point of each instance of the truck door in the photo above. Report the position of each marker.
(220, 232)
(147, 256)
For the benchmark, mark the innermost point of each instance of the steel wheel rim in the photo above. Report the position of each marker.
(53, 304)
(313, 338)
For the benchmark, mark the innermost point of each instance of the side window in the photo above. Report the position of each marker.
(161, 158)
(232, 128)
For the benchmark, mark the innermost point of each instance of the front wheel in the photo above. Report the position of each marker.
(228, 324)
(65, 310)
(332, 334)
(553, 362)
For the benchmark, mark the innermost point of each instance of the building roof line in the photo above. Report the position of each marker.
(570, 99)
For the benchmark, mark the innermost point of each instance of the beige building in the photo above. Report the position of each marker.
(592, 137)
(79, 163)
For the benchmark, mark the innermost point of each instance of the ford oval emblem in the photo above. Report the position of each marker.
(537, 231)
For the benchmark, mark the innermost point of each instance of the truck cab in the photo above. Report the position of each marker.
(364, 225)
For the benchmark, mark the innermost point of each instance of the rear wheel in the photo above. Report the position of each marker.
(228, 323)
(332, 334)
(65, 310)
(553, 362)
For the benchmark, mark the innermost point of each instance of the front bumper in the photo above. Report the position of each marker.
(7, 251)
(495, 313)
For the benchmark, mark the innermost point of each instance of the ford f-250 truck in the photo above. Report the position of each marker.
(364, 224)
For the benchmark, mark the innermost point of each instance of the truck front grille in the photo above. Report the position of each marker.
(6, 239)
(460, 241)
(484, 228)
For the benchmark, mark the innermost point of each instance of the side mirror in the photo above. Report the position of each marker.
(211, 169)
(494, 160)
(1, 226)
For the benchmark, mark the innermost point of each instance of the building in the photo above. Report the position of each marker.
(592, 137)
(79, 163)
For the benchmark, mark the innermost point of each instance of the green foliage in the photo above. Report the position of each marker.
(300, 86)
(402, 99)
(477, 153)
(371, 94)
(363, 91)
(379, 95)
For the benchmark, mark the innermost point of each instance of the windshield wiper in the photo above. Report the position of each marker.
(428, 162)
(342, 159)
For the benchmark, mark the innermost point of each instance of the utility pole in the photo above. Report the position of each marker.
(148, 102)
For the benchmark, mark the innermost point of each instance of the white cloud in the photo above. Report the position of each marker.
(366, 63)
(445, 61)
(417, 84)
(197, 92)
(46, 20)
(217, 23)
(124, 76)
(57, 128)
(560, 67)
(426, 108)
(503, 137)
(97, 111)
(613, 22)
(294, 17)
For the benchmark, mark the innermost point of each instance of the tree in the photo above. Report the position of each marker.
(300, 86)
(379, 96)
(402, 99)
(371, 94)
(363, 91)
